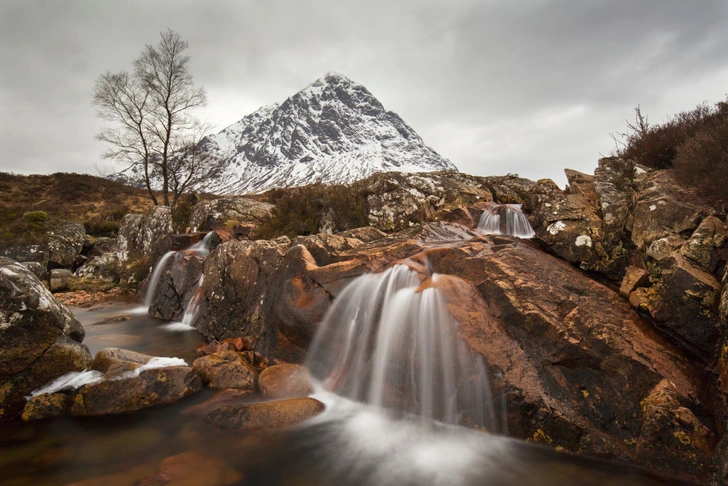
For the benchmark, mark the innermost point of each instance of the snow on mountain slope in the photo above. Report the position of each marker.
(333, 131)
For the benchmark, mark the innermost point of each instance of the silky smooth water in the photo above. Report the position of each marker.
(505, 219)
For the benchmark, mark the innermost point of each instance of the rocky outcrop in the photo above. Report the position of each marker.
(237, 275)
(40, 339)
(229, 212)
(138, 233)
(178, 281)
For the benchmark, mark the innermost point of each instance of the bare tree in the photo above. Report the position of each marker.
(153, 128)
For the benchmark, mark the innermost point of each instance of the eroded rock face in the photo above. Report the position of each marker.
(663, 208)
(228, 212)
(576, 362)
(237, 275)
(139, 233)
(40, 339)
(176, 285)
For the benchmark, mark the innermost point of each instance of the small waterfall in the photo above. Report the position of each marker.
(202, 248)
(389, 342)
(154, 279)
(505, 219)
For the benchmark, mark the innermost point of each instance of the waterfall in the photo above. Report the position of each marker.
(389, 342)
(506, 219)
(201, 248)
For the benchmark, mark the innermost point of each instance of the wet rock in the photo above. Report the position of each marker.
(663, 208)
(229, 212)
(576, 362)
(139, 233)
(193, 468)
(116, 361)
(65, 241)
(672, 438)
(684, 301)
(46, 405)
(60, 279)
(228, 396)
(39, 337)
(237, 274)
(279, 413)
(177, 284)
(226, 369)
(285, 381)
(156, 386)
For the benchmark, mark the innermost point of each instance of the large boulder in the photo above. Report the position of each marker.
(139, 233)
(278, 413)
(576, 362)
(177, 283)
(65, 242)
(229, 212)
(237, 275)
(40, 339)
(226, 369)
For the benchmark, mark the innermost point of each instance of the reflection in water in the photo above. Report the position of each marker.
(351, 443)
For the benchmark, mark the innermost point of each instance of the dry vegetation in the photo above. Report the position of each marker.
(693, 143)
(96, 202)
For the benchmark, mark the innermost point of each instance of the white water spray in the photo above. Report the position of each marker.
(387, 342)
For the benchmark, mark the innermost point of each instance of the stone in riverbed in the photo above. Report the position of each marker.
(226, 369)
(285, 381)
(279, 413)
(47, 405)
(192, 468)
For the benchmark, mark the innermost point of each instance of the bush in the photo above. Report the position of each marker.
(702, 162)
(656, 146)
(306, 210)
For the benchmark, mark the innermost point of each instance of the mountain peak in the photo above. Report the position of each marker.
(332, 131)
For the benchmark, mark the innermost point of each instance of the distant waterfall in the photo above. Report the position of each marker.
(386, 342)
(505, 219)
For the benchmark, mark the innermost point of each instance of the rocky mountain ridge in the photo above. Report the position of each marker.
(332, 131)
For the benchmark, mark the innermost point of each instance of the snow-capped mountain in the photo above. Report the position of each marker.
(333, 131)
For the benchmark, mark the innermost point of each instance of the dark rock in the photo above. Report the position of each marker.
(177, 284)
(104, 267)
(706, 247)
(278, 413)
(38, 269)
(226, 369)
(613, 179)
(285, 381)
(193, 468)
(237, 275)
(672, 438)
(39, 337)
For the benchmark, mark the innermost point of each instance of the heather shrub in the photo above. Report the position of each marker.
(656, 146)
(307, 210)
(702, 162)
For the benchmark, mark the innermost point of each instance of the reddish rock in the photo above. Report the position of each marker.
(285, 381)
(226, 369)
(278, 413)
(633, 277)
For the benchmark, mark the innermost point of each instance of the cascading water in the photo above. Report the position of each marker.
(389, 340)
(201, 248)
(505, 219)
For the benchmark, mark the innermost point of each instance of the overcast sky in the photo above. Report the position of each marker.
(528, 87)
